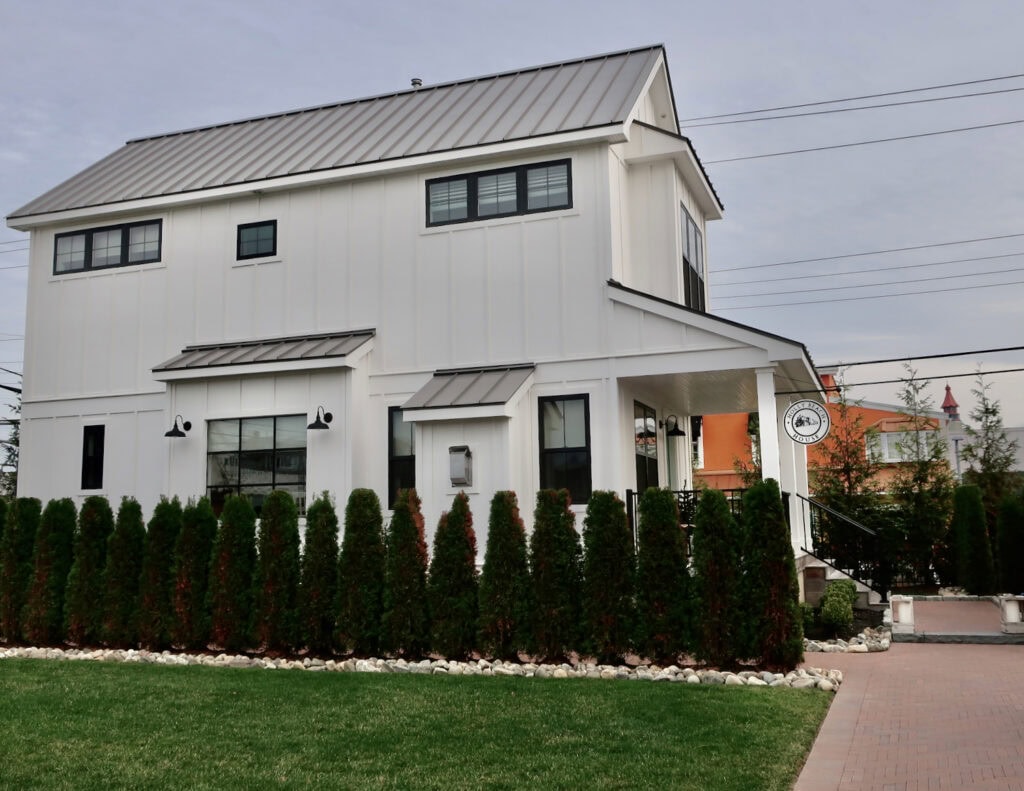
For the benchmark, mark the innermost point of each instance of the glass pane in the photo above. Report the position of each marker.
(298, 492)
(449, 200)
(402, 443)
(691, 240)
(553, 432)
(290, 467)
(256, 466)
(256, 495)
(257, 240)
(257, 433)
(291, 431)
(144, 243)
(575, 423)
(222, 469)
(547, 187)
(222, 435)
(496, 194)
(106, 247)
(70, 253)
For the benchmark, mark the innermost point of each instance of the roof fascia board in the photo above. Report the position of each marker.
(456, 413)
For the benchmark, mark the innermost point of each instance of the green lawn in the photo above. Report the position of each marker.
(90, 725)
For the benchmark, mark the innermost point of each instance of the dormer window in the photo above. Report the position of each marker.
(102, 248)
(257, 239)
(500, 193)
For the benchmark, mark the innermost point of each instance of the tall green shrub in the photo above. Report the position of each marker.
(83, 602)
(190, 627)
(1010, 530)
(16, 547)
(277, 573)
(555, 575)
(970, 536)
(125, 549)
(318, 580)
(505, 582)
(156, 588)
(662, 580)
(43, 616)
(772, 593)
(452, 591)
(609, 579)
(361, 574)
(231, 571)
(717, 546)
(406, 624)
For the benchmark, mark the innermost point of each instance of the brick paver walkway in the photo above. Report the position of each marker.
(923, 717)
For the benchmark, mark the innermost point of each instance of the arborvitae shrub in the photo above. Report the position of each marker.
(1010, 530)
(361, 574)
(231, 569)
(772, 593)
(190, 627)
(3, 526)
(277, 573)
(125, 549)
(662, 589)
(970, 532)
(83, 601)
(406, 625)
(837, 607)
(16, 547)
(609, 579)
(452, 589)
(716, 579)
(156, 608)
(318, 583)
(43, 616)
(555, 575)
(505, 582)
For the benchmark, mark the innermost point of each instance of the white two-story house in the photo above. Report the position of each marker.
(497, 283)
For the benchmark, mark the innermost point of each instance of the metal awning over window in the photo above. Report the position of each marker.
(485, 391)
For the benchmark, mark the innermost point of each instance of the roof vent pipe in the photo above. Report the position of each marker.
(417, 82)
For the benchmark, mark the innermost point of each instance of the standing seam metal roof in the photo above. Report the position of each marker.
(562, 97)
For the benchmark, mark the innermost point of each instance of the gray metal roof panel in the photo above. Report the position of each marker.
(267, 350)
(561, 97)
(470, 387)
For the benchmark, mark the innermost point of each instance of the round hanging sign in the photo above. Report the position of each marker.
(806, 422)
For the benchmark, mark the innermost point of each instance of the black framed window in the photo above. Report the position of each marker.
(565, 445)
(693, 261)
(254, 456)
(645, 430)
(500, 193)
(92, 456)
(112, 245)
(257, 239)
(401, 454)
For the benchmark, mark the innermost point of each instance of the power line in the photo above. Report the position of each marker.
(16, 266)
(928, 357)
(873, 252)
(863, 142)
(854, 98)
(14, 250)
(14, 241)
(904, 379)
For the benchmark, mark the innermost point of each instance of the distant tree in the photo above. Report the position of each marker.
(156, 588)
(9, 449)
(16, 546)
(662, 580)
(125, 549)
(1010, 531)
(406, 623)
(318, 578)
(231, 575)
(609, 579)
(775, 636)
(277, 573)
(505, 582)
(43, 616)
(361, 574)
(717, 547)
(970, 537)
(452, 586)
(83, 602)
(748, 468)
(555, 575)
(190, 628)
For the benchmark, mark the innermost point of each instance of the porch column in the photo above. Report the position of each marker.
(768, 424)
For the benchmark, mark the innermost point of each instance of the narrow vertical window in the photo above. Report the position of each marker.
(565, 445)
(401, 454)
(92, 457)
(645, 430)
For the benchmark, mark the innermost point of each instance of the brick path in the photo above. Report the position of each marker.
(924, 716)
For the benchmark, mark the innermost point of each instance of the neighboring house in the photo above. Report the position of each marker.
(496, 283)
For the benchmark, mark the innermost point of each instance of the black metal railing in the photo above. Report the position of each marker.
(687, 500)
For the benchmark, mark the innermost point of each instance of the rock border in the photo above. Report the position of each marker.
(870, 641)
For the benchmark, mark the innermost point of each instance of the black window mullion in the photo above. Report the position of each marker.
(521, 189)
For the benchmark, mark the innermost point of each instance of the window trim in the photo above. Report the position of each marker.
(125, 229)
(546, 452)
(472, 179)
(92, 465)
(238, 240)
(394, 459)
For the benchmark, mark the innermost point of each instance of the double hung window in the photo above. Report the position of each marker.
(693, 261)
(645, 441)
(565, 445)
(101, 248)
(401, 454)
(499, 193)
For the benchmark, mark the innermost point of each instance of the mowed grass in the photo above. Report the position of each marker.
(91, 725)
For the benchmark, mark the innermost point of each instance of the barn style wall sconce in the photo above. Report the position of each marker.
(179, 428)
(322, 419)
(675, 431)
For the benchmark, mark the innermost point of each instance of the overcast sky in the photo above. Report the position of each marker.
(81, 78)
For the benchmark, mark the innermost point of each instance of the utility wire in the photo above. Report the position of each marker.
(16, 266)
(14, 250)
(916, 378)
(14, 241)
(862, 143)
(927, 357)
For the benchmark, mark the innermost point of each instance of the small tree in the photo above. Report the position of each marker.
(277, 573)
(406, 624)
(9, 448)
(505, 582)
(555, 574)
(1010, 530)
(191, 574)
(772, 591)
(16, 547)
(452, 585)
(231, 570)
(609, 579)
(318, 581)
(83, 603)
(125, 549)
(970, 537)
(662, 581)
(717, 544)
(43, 617)
(361, 574)
(156, 588)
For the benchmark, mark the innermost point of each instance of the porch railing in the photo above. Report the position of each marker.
(687, 500)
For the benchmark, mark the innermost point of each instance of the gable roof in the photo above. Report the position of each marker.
(589, 93)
